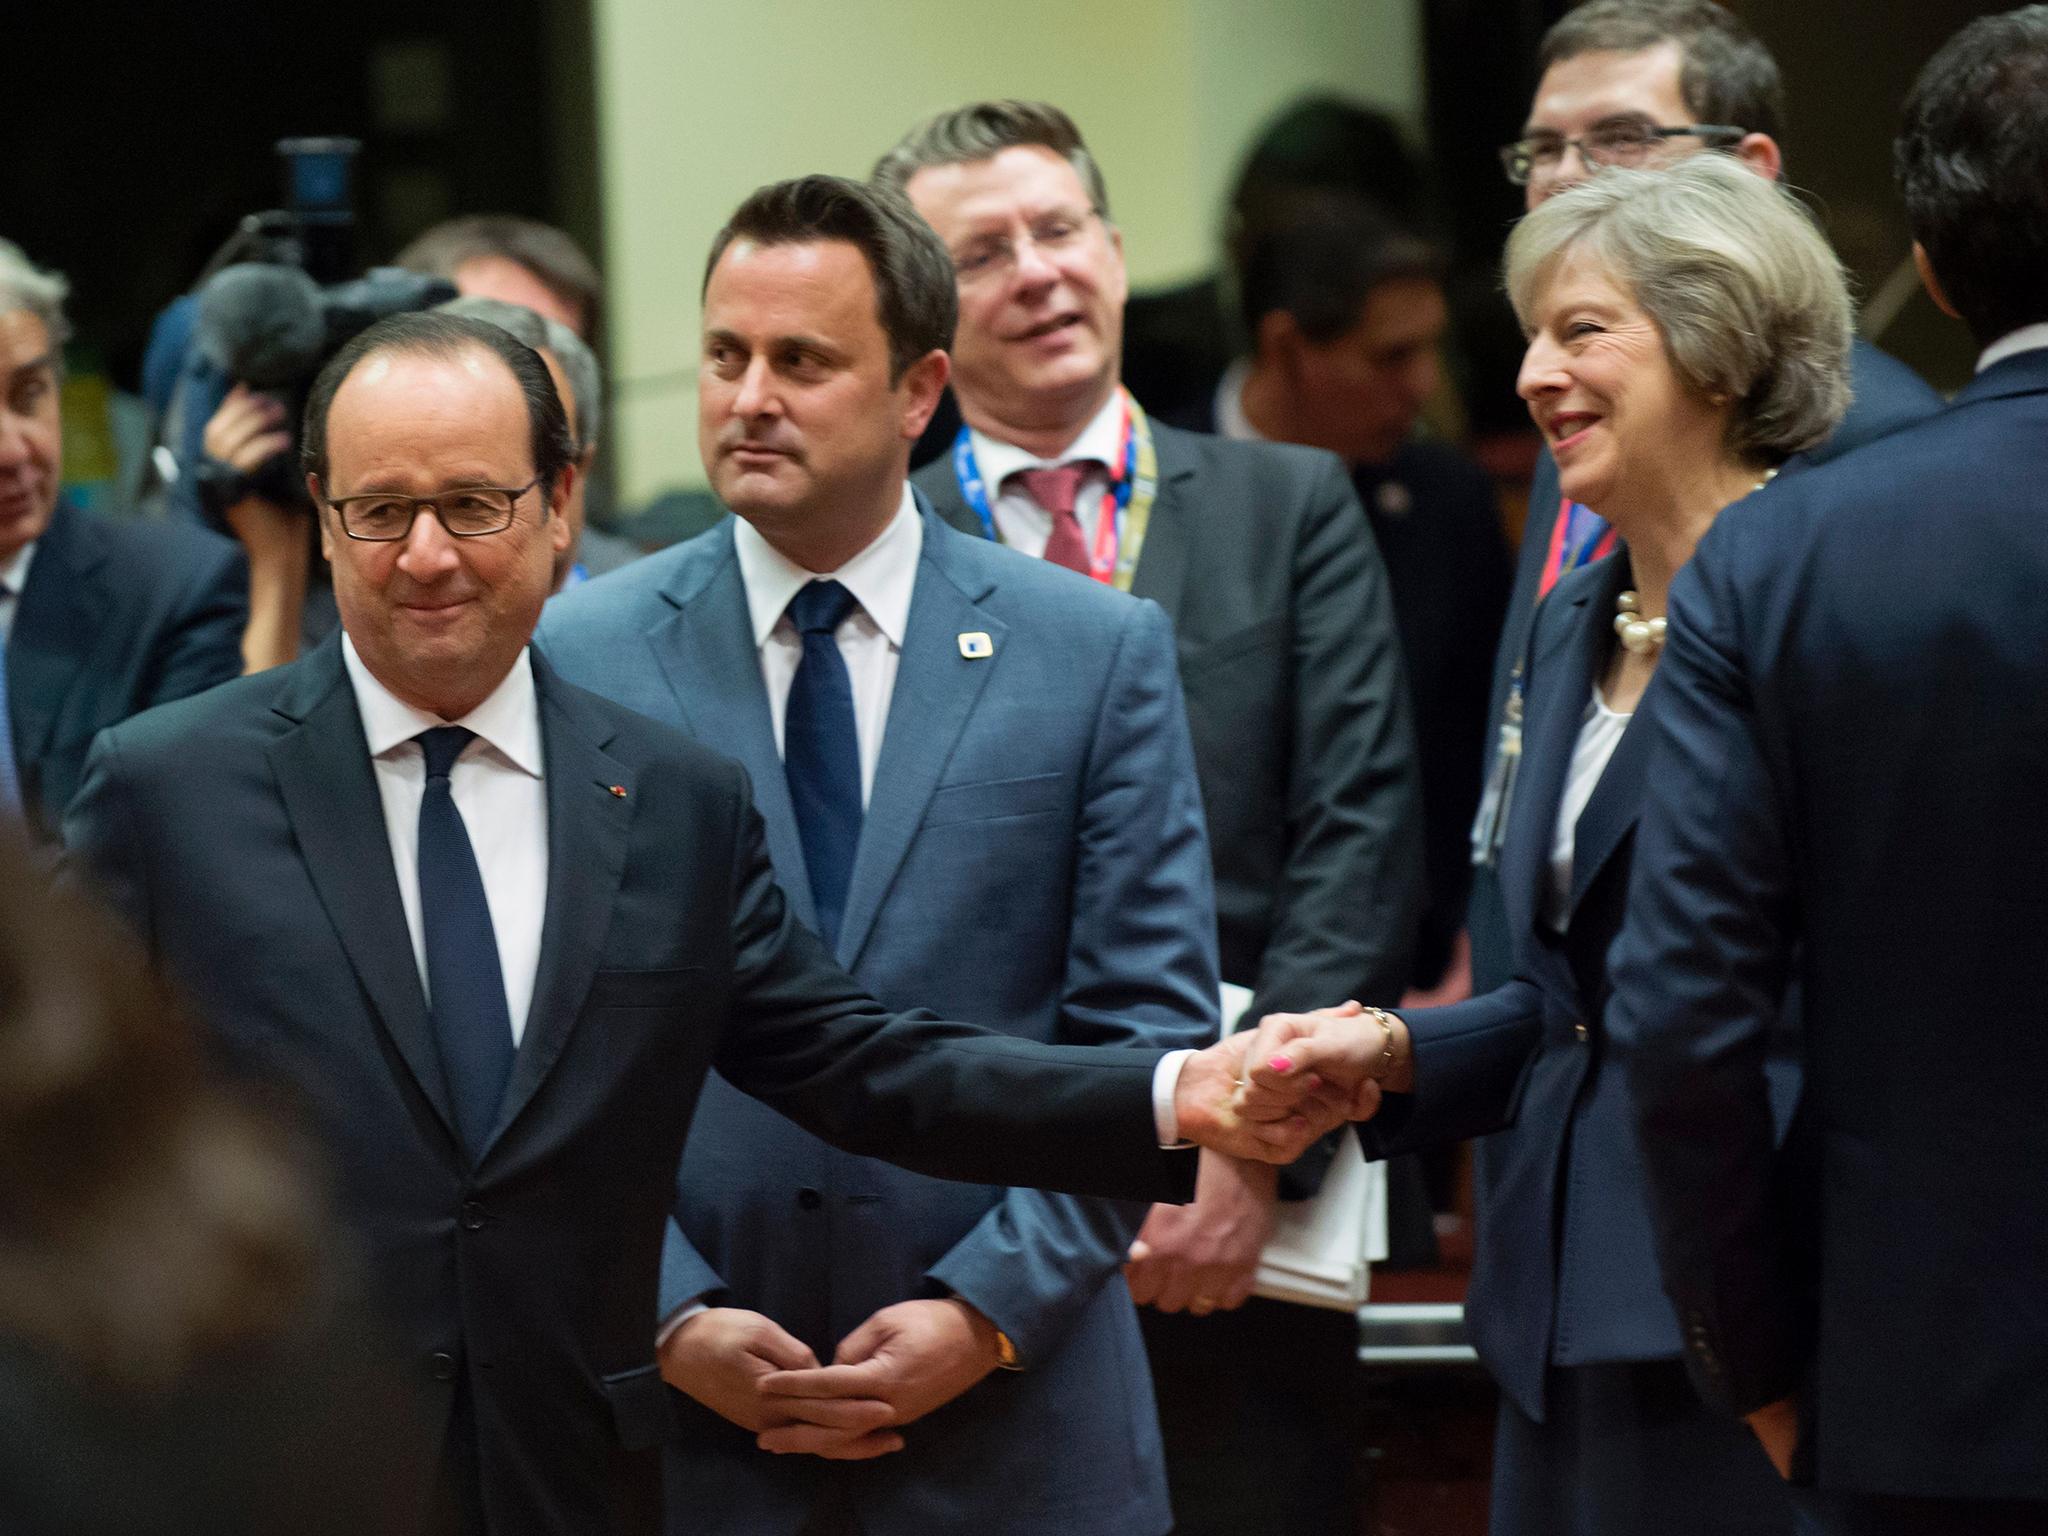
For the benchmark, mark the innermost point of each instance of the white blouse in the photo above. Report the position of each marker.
(1600, 731)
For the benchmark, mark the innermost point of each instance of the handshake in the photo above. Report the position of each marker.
(1267, 1093)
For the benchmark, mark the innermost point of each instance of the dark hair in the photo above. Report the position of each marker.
(543, 250)
(982, 130)
(433, 334)
(1319, 256)
(147, 1221)
(1324, 143)
(1725, 73)
(1972, 162)
(915, 300)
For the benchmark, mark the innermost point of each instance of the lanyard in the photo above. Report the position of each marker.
(1578, 537)
(1126, 509)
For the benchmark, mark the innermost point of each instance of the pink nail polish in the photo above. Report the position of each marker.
(1281, 1064)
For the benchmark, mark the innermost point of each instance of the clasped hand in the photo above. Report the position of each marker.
(1267, 1093)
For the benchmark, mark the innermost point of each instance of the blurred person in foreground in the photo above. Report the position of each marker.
(1643, 83)
(177, 1350)
(1010, 740)
(99, 617)
(491, 932)
(1291, 665)
(1345, 311)
(1688, 332)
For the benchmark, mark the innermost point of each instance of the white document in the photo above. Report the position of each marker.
(1321, 1251)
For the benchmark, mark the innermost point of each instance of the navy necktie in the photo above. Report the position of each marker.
(821, 751)
(464, 983)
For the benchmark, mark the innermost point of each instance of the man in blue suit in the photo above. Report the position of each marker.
(1846, 780)
(1013, 832)
(1618, 75)
(98, 619)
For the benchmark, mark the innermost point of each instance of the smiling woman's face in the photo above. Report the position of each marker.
(1601, 388)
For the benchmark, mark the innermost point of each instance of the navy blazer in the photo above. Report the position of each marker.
(1033, 858)
(1887, 395)
(242, 835)
(1290, 658)
(115, 616)
(1850, 786)
(1565, 1272)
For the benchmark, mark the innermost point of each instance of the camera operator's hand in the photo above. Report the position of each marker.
(247, 432)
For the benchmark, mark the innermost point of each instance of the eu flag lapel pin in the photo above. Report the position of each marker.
(975, 645)
(617, 791)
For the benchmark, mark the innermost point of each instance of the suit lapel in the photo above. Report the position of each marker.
(707, 653)
(1163, 562)
(588, 827)
(936, 690)
(1550, 732)
(329, 788)
(57, 624)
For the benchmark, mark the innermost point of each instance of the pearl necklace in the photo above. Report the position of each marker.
(1638, 634)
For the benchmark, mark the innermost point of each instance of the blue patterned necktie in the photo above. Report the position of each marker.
(465, 986)
(821, 751)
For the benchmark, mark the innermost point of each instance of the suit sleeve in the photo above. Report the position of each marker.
(686, 1274)
(1141, 970)
(1351, 892)
(202, 645)
(944, 1099)
(105, 852)
(1471, 1060)
(1699, 971)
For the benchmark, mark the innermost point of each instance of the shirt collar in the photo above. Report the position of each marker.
(1231, 420)
(14, 574)
(509, 720)
(1101, 440)
(2027, 338)
(881, 577)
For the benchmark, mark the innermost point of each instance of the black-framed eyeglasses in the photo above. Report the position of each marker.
(467, 512)
(1625, 141)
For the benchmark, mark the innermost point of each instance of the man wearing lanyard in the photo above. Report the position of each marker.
(1292, 671)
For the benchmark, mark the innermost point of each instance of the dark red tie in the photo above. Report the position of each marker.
(1055, 489)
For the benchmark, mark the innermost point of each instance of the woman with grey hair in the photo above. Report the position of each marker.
(1688, 331)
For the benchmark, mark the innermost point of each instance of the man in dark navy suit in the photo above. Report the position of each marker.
(1847, 771)
(491, 932)
(1618, 77)
(98, 619)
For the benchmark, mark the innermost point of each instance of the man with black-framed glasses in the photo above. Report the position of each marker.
(1642, 83)
(490, 932)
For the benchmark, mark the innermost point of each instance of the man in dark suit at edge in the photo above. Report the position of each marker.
(99, 619)
(1846, 773)
(1618, 76)
(491, 931)
(1291, 665)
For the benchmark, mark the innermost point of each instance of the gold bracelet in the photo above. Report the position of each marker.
(1385, 1021)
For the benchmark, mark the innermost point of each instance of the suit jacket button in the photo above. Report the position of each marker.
(441, 1365)
(809, 1199)
(1582, 1032)
(473, 1217)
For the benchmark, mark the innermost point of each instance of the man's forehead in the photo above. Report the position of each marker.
(1019, 179)
(1577, 92)
(800, 284)
(24, 341)
(412, 402)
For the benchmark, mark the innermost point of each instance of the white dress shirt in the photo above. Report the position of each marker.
(1600, 731)
(881, 579)
(497, 785)
(12, 576)
(1021, 522)
(2028, 338)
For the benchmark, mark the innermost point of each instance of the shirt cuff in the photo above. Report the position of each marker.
(1165, 1084)
(676, 1319)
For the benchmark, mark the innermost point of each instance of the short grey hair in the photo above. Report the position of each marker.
(1751, 302)
(24, 285)
(532, 329)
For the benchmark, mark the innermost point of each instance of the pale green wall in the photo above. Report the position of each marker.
(698, 103)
